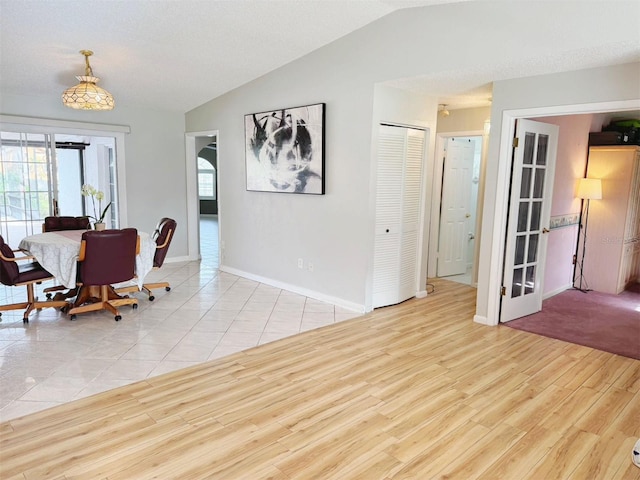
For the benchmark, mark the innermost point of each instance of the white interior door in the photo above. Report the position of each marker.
(456, 207)
(400, 158)
(528, 221)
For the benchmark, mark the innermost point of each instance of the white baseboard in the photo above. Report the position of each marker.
(482, 320)
(184, 258)
(295, 289)
(556, 291)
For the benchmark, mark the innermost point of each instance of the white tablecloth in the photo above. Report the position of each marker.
(58, 253)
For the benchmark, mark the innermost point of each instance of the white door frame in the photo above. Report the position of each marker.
(436, 197)
(193, 207)
(507, 133)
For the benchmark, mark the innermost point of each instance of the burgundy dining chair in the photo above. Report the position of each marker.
(162, 237)
(106, 257)
(57, 224)
(14, 273)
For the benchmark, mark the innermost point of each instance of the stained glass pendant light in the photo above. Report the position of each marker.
(87, 95)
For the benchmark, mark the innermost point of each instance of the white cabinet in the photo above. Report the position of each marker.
(612, 258)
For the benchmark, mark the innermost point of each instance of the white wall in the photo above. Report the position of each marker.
(266, 233)
(569, 92)
(155, 173)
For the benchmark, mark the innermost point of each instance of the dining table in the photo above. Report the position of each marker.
(58, 253)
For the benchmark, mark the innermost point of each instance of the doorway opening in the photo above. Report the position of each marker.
(208, 203)
(204, 212)
(492, 278)
(461, 158)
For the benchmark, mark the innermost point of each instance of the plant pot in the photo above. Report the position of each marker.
(99, 226)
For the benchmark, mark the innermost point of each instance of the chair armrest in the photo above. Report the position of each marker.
(83, 250)
(166, 240)
(138, 245)
(17, 259)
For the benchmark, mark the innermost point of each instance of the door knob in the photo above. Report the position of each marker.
(468, 215)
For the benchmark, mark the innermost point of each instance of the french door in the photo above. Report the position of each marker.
(528, 221)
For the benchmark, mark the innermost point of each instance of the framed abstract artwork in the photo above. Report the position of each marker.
(285, 150)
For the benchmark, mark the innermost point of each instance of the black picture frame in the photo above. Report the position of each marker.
(284, 150)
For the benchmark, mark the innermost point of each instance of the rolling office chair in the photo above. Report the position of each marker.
(106, 257)
(56, 224)
(162, 236)
(16, 274)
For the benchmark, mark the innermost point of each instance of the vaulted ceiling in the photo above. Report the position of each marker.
(167, 53)
(179, 54)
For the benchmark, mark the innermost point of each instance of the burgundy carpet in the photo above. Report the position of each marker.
(598, 320)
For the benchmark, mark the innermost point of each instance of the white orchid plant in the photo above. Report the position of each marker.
(90, 191)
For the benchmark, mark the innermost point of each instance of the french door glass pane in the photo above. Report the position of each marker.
(538, 185)
(529, 146)
(536, 211)
(523, 216)
(521, 240)
(525, 187)
(532, 254)
(516, 286)
(529, 285)
(543, 142)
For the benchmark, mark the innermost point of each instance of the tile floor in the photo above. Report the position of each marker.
(206, 315)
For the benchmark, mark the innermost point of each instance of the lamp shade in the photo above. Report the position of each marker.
(589, 189)
(87, 95)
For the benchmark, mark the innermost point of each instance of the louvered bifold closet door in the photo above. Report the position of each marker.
(398, 190)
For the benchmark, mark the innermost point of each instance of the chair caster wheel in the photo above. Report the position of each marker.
(167, 289)
(49, 296)
(72, 317)
(152, 298)
(25, 320)
(134, 306)
(118, 317)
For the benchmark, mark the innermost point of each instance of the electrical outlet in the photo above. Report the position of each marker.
(300, 263)
(310, 266)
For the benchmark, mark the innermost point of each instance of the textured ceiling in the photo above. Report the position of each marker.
(171, 54)
(179, 54)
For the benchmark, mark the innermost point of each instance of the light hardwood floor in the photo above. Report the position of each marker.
(414, 391)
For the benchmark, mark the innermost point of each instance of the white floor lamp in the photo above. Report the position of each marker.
(588, 189)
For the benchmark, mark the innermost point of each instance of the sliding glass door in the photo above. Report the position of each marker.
(26, 183)
(41, 175)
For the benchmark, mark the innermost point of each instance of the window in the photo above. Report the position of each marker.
(206, 180)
